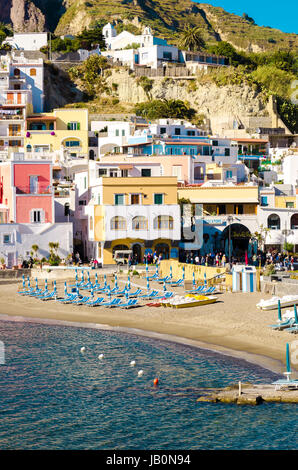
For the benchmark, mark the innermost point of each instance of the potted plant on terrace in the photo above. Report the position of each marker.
(3, 265)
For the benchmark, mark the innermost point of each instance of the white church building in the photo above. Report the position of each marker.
(146, 49)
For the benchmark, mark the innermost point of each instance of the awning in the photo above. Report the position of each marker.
(56, 167)
(125, 167)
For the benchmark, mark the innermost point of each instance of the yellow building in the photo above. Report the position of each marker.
(138, 214)
(223, 200)
(63, 129)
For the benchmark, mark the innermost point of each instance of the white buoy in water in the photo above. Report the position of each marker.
(140, 373)
(132, 363)
(83, 349)
(100, 356)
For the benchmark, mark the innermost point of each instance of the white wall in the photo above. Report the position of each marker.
(28, 41)
(23, 236)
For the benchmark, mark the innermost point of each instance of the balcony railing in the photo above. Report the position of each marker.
(33, 191)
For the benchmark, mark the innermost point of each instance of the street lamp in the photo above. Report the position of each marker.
(230, 219)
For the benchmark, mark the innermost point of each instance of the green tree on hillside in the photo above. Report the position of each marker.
(191, 39)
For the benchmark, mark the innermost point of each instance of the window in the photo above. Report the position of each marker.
(32, 72)
(177, 131)
(72, 143)
(227, 152)
(66, 209)
(146, 172)
(113, 173)
(102, 172)
(229, 174)
(123, 132)
(177, 171)
(274, 222)
(167, 55)
(163, 130)
(29, 148)
(238, 209)
(117, 132)
(135, 199)
(118, 223)
(124, 173)
(119, 199)
(264, 201)
(83, 202)
(36, 216)
(73, 126)
(191, 133)
(215, 143)
(6, 238)
(290, 205)
(158, 198)
(198, 173)
(221, 209)
(294, 222)
(145, 55)
(16, 72)
(164, 222)
(139, 223)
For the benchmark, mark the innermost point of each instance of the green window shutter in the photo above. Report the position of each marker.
(68, 126)
(158, 198)
(78, 126)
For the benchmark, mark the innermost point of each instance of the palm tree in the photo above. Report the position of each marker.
(191, 39)
(35, 249)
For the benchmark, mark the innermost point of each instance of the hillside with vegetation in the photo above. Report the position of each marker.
(168, 19)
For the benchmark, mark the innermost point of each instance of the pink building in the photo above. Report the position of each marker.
(26, 192)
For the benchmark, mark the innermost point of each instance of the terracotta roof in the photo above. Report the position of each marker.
(41, 118)
(253, 141)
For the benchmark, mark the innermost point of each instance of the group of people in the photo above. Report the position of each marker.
(280, 260)
(210, 259)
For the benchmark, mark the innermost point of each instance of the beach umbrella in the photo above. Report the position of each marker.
(77, 288)
(279, 310)
(92, 293)
(46, 284)
(146, 268)
(29, 282)
(156, 272)
(55, 287)
(36, 284)
(88, 274)
(288, 358)
(76, 275)
(109, 293)
(65, 289)
(128, 282)
(116, 281)
(205, 279)
(296, 316)
(105, 281)
(171, 272)
(148, 285)
(96, 280)
(24, 283)
(164, 286)
(193, 279)
(183, 273)
(126, 292)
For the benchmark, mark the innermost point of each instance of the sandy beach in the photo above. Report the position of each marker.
(233, 325)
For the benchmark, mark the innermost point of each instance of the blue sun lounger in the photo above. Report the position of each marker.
(293, 329)
(283, 325)
(49, 296)
(131, 303)
(94, 303)
(198, 290)
(39, 294)
(150, 295)
(160, 280)
(69, 298)
(121, 293)
(176, 283)
(111, 303)
(153, 278)
(135, 293)
(166, 295)
(82, 300)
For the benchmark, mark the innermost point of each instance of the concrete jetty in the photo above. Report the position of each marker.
(249, 394)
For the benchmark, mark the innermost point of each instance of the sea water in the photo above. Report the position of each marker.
(52, 396)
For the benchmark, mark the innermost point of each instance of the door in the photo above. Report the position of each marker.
(137, 252)
(19, 98)
(33, 184)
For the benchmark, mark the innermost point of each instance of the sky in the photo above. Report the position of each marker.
(280, 15)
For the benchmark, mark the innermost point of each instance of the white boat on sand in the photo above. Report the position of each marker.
(271, 304)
